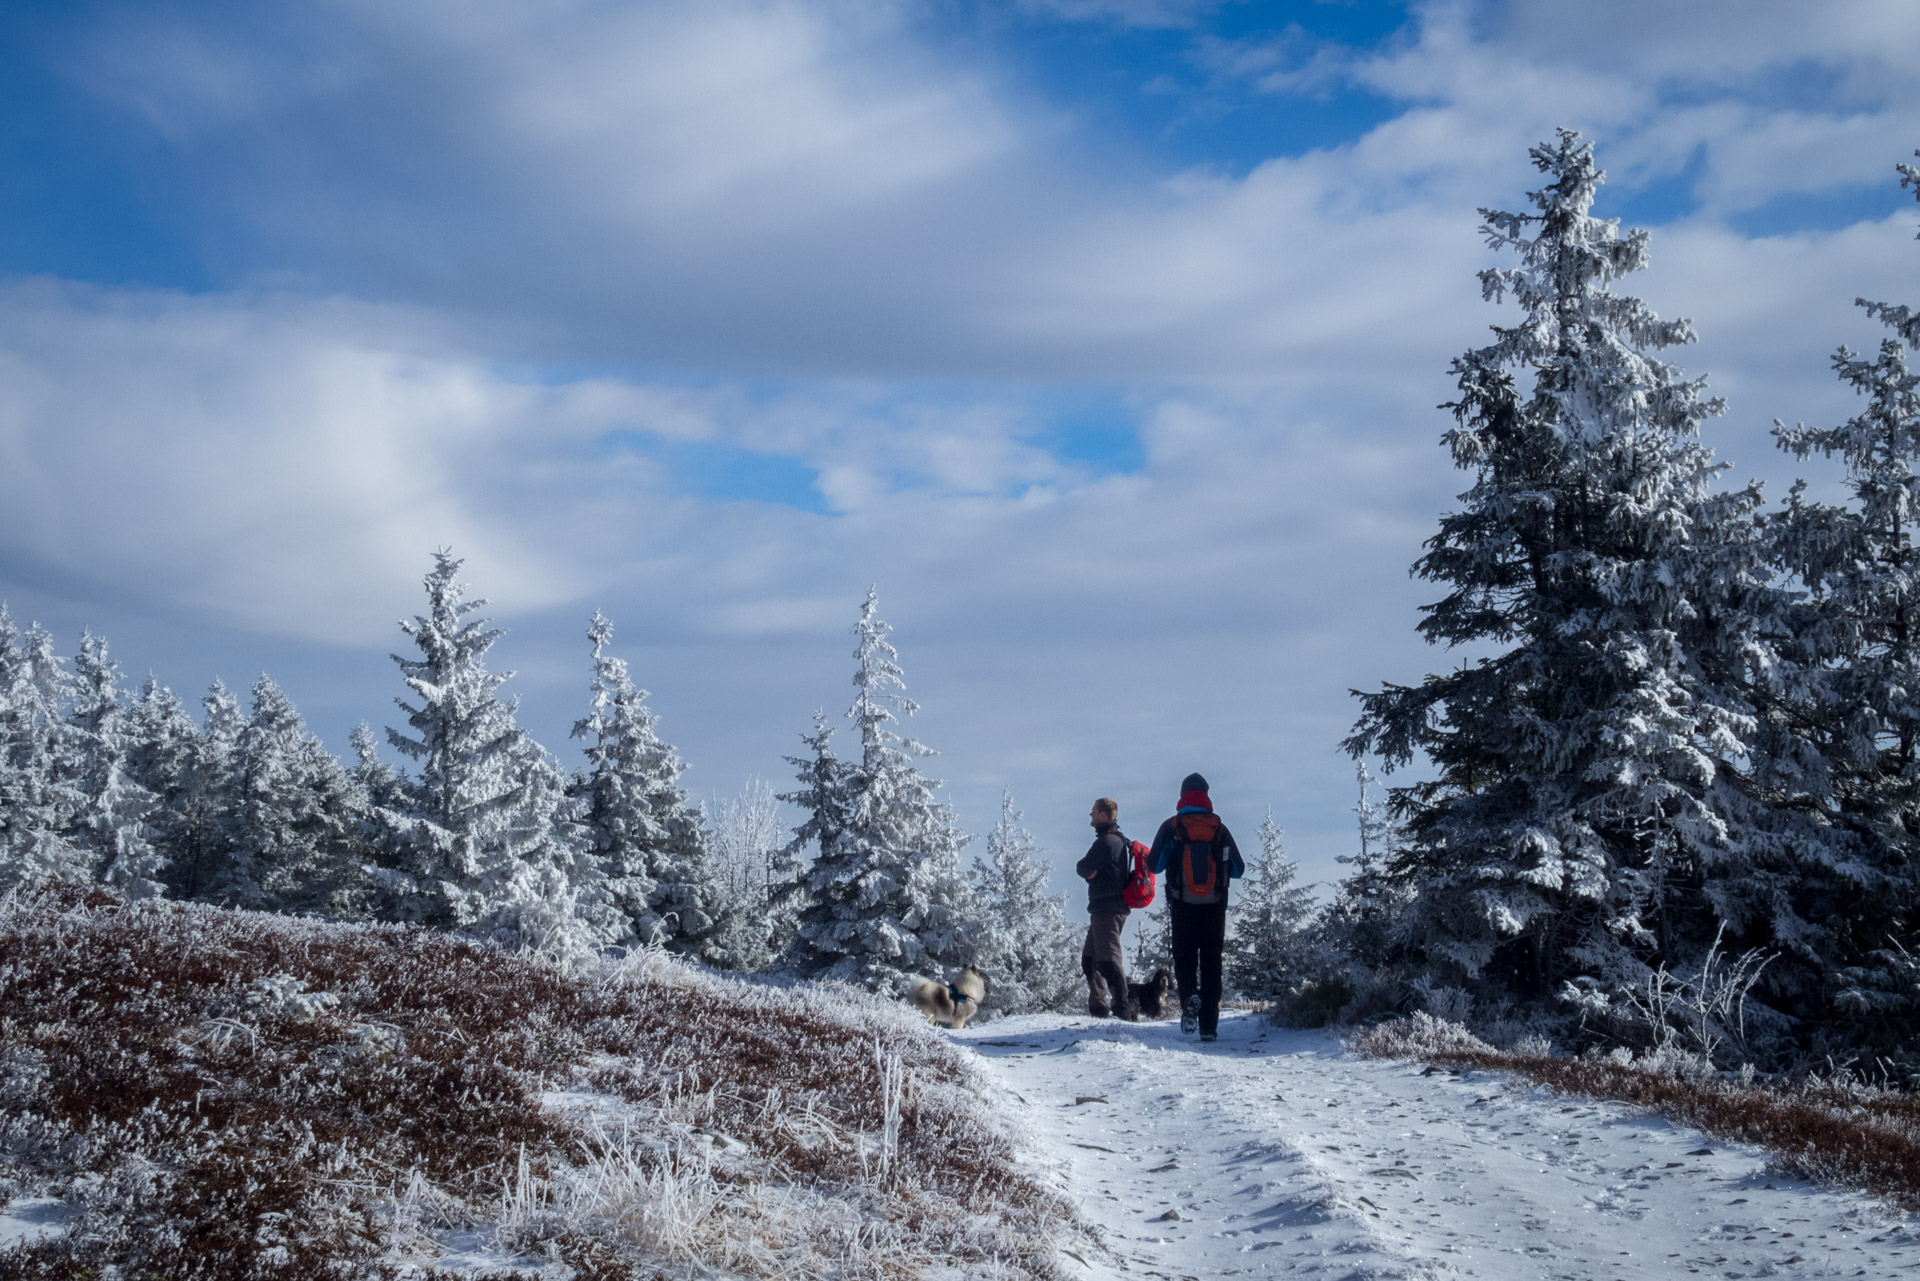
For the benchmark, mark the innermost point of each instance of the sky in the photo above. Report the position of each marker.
(1103, 337)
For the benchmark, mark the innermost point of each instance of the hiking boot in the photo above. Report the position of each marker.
(1209, 1036)
(1190, 1016)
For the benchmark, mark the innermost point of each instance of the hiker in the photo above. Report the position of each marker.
(1104, 867)
(1197, 853)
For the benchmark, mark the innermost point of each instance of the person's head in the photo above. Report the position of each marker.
(1193, 783)
(1105, 810)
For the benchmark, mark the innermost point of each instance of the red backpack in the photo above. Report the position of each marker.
(1138, 891)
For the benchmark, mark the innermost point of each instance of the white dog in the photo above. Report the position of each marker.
(950, 1004)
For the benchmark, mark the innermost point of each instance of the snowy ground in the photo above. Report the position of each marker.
(1273, 1153)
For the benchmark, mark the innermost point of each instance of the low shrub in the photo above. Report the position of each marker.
(229, 1094)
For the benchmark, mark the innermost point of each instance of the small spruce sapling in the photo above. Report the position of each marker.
(1027, 949)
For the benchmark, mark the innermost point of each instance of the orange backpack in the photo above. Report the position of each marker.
(1198, 876)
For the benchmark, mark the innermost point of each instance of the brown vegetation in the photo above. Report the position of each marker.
(230, 1094)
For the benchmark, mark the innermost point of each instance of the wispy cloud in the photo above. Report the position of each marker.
(510, 276)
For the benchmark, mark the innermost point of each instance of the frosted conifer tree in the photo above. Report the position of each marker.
(474, 837)
(884, 899)
(657, 874)
(1588, 794)
(195, 826)
(744, 832)
(825, 796)
(1272, 914)
(164, 743)
(1362, 923)
(38, 798)
(1027, 949)
(292, 833)
(1859, 651)
(161, 734)
(373, 776)
(111, 822)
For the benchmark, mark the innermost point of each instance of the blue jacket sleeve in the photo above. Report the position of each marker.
(1236, 866)
(1162, 848)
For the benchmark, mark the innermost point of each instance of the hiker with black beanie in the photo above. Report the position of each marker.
(1198, 855)
(1104, 867)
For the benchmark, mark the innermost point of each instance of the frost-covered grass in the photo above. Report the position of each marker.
(1833, 1129)
(229, 1094)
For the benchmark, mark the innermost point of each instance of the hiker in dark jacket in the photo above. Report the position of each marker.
(1198, 855)
(1105, 868)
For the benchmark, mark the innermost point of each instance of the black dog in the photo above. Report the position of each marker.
(1154, 998)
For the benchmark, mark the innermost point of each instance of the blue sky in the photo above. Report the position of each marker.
(1103, 336)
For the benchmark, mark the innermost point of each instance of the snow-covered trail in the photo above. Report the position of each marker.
(1273, 1153)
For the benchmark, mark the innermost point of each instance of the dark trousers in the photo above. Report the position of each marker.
(1199, 936)
(1105, 967)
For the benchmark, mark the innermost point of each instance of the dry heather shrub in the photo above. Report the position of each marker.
(228, 1094)
(1834, 1131)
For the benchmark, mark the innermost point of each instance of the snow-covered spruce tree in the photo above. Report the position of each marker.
(825, 796)
(192, 826)
(884, 900)
(1266, 956)
(293, 835)
(1363, 923)
(38, 799)
(1587, 818)
(1354, 953)
(474, 841)
(374, 777)
(1858, 644)
(1027, 949)
(744, 833)
(657, 874)
(111, 822)
(164, 747)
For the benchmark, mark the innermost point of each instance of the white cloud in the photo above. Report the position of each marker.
(809, 200)
(278, 463)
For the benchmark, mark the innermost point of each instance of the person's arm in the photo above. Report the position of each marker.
(1162, 847)
(1096, 857)
(1236, 866)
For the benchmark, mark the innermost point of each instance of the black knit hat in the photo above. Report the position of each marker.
(1193, 783)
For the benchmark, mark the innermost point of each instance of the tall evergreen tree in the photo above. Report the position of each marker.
(1588, 806)
(1857, 646)
(293, 832)
(657, 874)
(825, 796)
(1272, 917)
(39, 799)
(165, 742)
(193, 825)
(473, 842)
(111, 822)
(1027, 949)
(884, 899)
